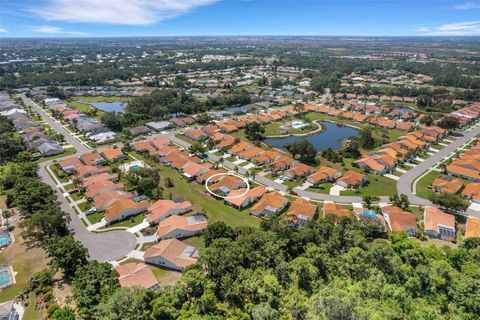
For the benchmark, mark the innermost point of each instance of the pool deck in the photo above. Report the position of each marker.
(9, 269)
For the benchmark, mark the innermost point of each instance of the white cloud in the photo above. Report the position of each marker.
(468, 6)
(55, 30)
(125, 12)
(3, 30)
(468, 28)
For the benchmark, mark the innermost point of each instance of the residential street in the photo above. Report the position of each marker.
(105, 246)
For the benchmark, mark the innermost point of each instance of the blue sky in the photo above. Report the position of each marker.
(93, 18)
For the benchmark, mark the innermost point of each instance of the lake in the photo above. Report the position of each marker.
(331, 136)
(109, 106)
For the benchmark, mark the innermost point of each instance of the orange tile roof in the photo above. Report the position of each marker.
(461, 171)
(324, 173)
(300, 170)
(352, 178)
(158, 142)
(234, 196)
(335, 209)
(202, 178)
(181, 223)
(273, 200)
(69, 162)
(239, 147)
(433, 217)
(142, 145)
(472, 229)
(228, 183)
(447, 185)
(120, 205)
(472, 190)
(136, 275)
(111, 153)
(301, 208)
(399, 220)
(173, 251)
(91, 158)
(161, 208)
(251, 153)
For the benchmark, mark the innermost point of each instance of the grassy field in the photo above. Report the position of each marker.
(202, 201)
(325, 188)
(31, 313)
(273, 128)
(24, 260)
(85, 205)
(424, 184)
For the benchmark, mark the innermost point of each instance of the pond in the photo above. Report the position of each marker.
(109, 106)
(331, 136)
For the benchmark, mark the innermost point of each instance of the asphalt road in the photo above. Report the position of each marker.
(105, 246)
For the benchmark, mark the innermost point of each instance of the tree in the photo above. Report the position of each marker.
(351, 150)
(400, 201)
(94, 282)
(304, 149)
(366, 138)
(254, 131)
(125, 303)
(45, 223)
(204, 118)
(276, 83)
(31, 194)
(369, 200)
(10, 147)
(449, 123)
(449, 201)
(196, 148)
(64, 313)
(113, 121)
(67, 254)
(216, 230)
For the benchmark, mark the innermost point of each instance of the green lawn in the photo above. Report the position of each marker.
(61, 176)
(202, 201)
(293, 183)
(127, 223)
(76, 196)
(84, 107)
(69, 186)
(196, 242)
(94, 218)
(378, 186)
(274, 128)
(84, 206)
(424, 184)
(323, 188)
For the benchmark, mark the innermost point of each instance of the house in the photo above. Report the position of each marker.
(405, 126)
(467, 169)
(266, 157)
(195, 134)
(112, 154)
(299, 171)
(160, 125)
(69, 165)
(171, 253)
(369, 164)
(49, 149)
(270, 203)
(192, 170)
(330, 208)
(136, 275)
(94, 189)
(241, 198)
(92, 159)
(162, 209)
(158, 142)
(352, 179)
(142, 146)
(447, 185)
(281, 164)
(472, 191)
(227, 184)
(181, 227)
(399, 220)
(210, 173)
(300, 212)
(106, 198)
(438, 224)
(124, 208)
(136, 131)
(323, 174)
(472, 229)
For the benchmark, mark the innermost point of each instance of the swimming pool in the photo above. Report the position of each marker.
(5, 277)
(135, 167)
(4, 240)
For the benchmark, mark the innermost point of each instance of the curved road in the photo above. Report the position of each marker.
(105, 246)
